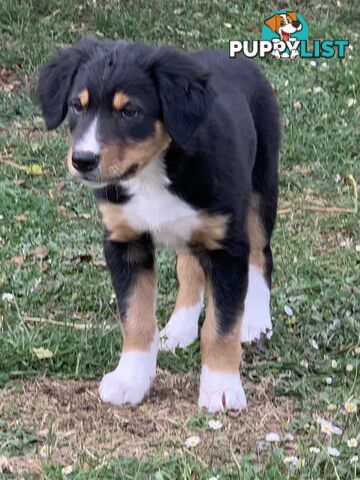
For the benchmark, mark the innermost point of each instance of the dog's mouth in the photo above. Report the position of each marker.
(95, 179)
(285, 36)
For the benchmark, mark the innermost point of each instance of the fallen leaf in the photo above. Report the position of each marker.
(19, 181)
(17, 260)
(39, 252)
(60, 186)
(43, 353)
(83, 257)
(34, 169)
(20, 218)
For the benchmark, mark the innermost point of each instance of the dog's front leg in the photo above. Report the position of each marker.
(220, 383)
(133, 274)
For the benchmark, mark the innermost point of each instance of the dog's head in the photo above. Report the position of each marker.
(125, 104)
(284, 24)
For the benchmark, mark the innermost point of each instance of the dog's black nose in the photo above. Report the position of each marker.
(85, 161)
(295, 23)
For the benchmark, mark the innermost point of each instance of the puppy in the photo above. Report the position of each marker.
(181, 151)
(284, 24)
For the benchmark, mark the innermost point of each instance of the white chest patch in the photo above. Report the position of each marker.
(155, 209)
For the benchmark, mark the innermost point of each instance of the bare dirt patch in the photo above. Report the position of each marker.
(69, 416)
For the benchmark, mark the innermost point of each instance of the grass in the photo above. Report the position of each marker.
(316, 259)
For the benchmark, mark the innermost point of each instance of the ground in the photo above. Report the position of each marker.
(56, 293)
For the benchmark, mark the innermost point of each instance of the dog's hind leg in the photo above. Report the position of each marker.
(257, 316)
(182, 328)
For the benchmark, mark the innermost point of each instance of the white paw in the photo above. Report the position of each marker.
(220, 391)
(257, 318)
(182, 328)
(132, 378)
(276, 54)
(294, 54)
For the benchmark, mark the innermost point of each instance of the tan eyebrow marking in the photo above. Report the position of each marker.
(84, 97)
(120, 100)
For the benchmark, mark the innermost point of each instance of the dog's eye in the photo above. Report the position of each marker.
(77, 107)
(130, 111)
(282, 22)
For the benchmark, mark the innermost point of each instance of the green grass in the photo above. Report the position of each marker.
(316, 261)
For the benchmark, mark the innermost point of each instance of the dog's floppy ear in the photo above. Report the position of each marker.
(292, 15)
(272, 22)
(185, 95)
(56, 79)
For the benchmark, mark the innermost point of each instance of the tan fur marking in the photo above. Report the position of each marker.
(211, 232)
(191, 280)
(139, 325)
(256, 234)
(220, 352)
(112, 217)
(120, 100)
(116, 159)
(84, 97)
(292, 15)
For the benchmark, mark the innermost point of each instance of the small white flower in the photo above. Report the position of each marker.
(192, 441)
(333, 364)
(352, 443)
(292, 459)
(354, 459)
(8, 297)
(329, 428)
(314, 344)
(357, 349)
(350, 407)
(317, 89)
(44, 451)
(304, 363)
(351, 102)
(227, 25)
(272, 437)
(214, 478)
(300, 463)
(288, 310)
(333, 452)
(315, 450)
(349, 367)
(328, 380)
(67, 471)
(338, 178)
(288, 437)
(312, 63)
(215, 424)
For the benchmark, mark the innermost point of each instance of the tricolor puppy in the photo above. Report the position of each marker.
(181, 150)
(284, 24)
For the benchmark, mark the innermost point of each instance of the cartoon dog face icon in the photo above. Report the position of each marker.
(284, 24)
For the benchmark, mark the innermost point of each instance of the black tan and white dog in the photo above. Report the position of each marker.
(181, 150)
